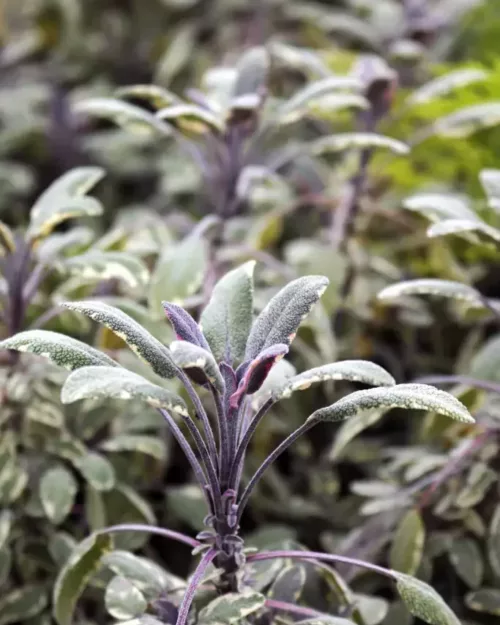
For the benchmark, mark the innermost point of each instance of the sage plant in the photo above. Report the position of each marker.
(229, 354)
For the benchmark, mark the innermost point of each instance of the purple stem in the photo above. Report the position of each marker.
(239, 457)
(190, 455)
(294, 609)
(318, 555)
(194, 582)
(150, 529)
(269, 460)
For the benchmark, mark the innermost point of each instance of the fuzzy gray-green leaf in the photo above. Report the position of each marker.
(22, 604)
(423, 601)
(280, 319)
(58, 490)
(198, 362)
(486, 600)
(434, 287)
(60, 349)
(72, 579)
(231, 608)
(408, 543)
(352, 370)
(137, 443)
(6, 518)
(123, 600)
(98, 382)
(460, 226)
(405, 396)
(358, 140)
(142, 343)
(147, 576)
(227, 319)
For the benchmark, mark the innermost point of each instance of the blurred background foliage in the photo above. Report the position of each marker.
(421, 495)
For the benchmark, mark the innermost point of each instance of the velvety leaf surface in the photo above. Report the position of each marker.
(408, 543)
(140, 341)
(424, 602)
(123, 600)
(62, 350)
(97, 382)
(198, 363)
(58, 490)
(232, 607)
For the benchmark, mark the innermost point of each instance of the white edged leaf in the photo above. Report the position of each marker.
(423, 601)
(405, 396)
(97, 471)
(440, 206)
(117, 383)
(460, 226)
(128, 116)
(231, 608)
(65, 199)
(73, 577)
(147, 576)
(151, 446)
(485, 600)
(158, 96)
(468, 120)
(490, 180)
(434, 287)
(22, 604)
(98, 265)
(198, 363)
(443, 85)
(281, 318)
(141, 342)
(227, 318)
(123, 600)
(294, 107)
(63, 350)
(352, 370)
(190, 117)
(357, 140)
(57, 493)
(6, 521)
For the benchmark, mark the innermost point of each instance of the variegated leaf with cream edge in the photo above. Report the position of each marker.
(199, 364)
(98, 382)
(434, 287)
(231, 608)
(98, 265)
(123, 600)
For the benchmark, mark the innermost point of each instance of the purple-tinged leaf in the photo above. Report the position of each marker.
(198, 363)
(185, 327)
(252, 375)
(280, 319)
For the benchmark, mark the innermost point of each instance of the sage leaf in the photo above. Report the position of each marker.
(199, 364)
(97, 265)
(58, 490)
(227, 319)
(423, 601)
(408, 543)
(459, 226)
(97, 471)
(486, 600)
(141, 342)
(352, 370)
(406, 396)
(467, 560)
(123, 600)
(280, 319)
(22, 604)
(98, 382)
(434, 287)
(359, 140)
(493, 543)
(60, 349)
(73, 577)
(231, 607)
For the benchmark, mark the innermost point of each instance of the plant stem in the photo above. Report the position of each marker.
(294, 609)
(318, 555)
(202, 413)
(242, 447)
(194, 582)
(150, 529)
(223, 437)
(190, 455)
(269, 460)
